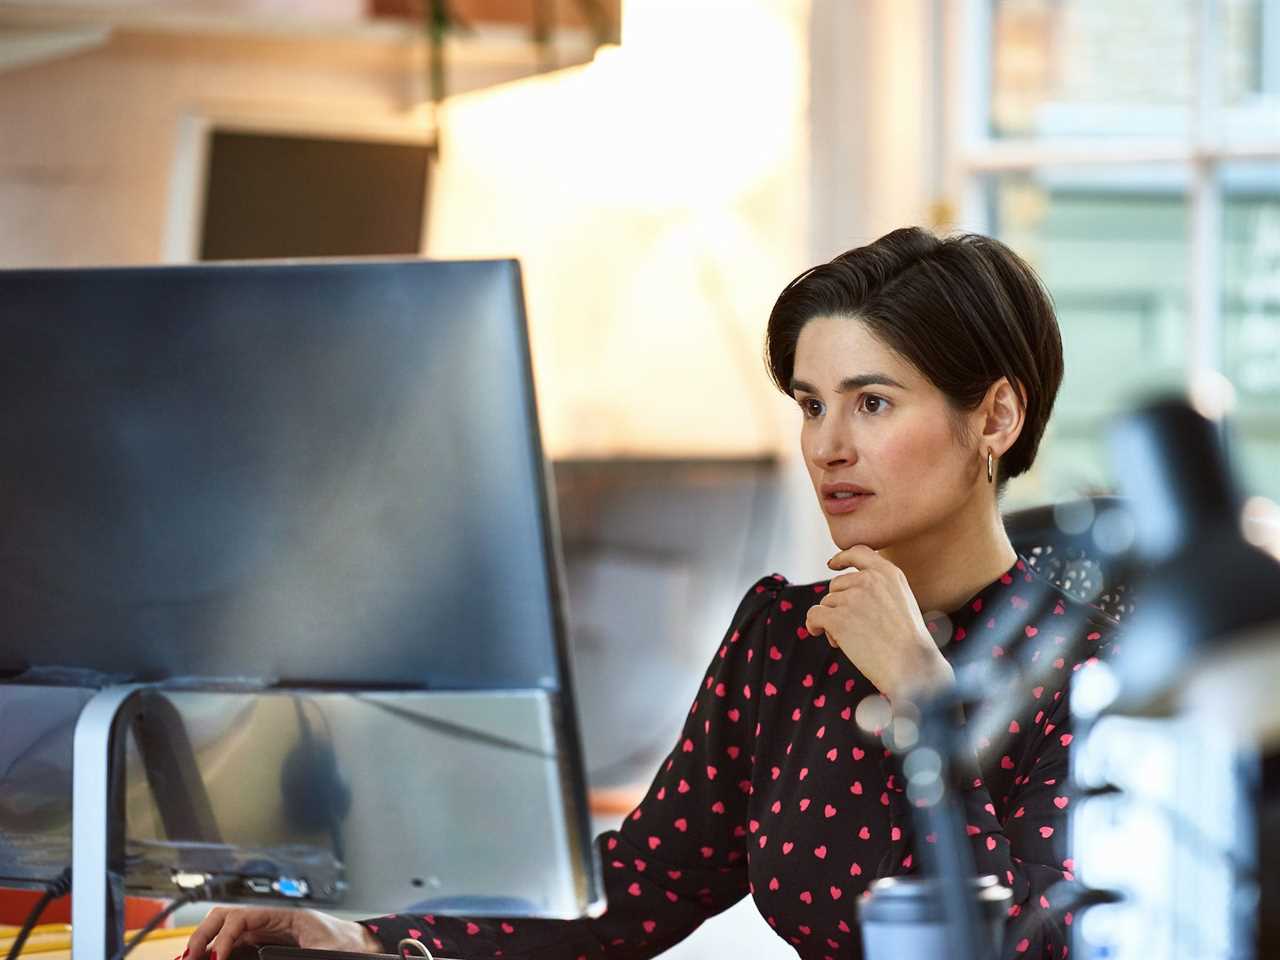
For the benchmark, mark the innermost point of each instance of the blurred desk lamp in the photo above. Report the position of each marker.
(1206, 636)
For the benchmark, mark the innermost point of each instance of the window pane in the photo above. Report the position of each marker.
(1251, 68)
(1065, 68)
(1111, 246)
(1251, 319)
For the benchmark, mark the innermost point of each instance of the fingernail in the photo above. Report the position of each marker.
(213, 955)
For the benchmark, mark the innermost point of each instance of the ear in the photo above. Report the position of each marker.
(1000, 417)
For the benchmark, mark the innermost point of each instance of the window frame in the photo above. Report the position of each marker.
(972, 154)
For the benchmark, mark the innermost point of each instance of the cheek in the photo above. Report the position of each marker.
(813, 470)
(919, 452)
(807, 438)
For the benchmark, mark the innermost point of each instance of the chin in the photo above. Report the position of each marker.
(845, 535)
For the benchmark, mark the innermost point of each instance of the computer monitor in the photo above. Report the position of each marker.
(309, 501)
(321, 474)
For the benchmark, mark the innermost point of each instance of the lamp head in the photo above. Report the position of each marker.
(1206, 631)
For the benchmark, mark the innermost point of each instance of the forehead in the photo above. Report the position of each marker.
(831, 348)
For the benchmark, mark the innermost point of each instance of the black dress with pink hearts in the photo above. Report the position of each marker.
(774, 789)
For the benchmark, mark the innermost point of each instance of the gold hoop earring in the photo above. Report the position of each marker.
(990, 469)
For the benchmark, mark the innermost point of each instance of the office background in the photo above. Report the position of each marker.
(662, 168)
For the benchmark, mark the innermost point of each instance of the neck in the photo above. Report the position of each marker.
(949, 564)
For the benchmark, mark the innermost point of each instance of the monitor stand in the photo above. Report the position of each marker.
(98, 808)
(97, 828)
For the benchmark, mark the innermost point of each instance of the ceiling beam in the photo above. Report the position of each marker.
(26, 47)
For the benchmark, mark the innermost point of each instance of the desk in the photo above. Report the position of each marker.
(52, 941)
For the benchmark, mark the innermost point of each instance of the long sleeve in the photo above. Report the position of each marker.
(678, 858)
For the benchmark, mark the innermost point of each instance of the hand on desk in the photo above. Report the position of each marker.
(226, 928)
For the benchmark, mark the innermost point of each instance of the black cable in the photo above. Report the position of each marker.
(58, 888)
(209, 890)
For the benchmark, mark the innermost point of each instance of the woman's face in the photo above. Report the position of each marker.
(873, 421)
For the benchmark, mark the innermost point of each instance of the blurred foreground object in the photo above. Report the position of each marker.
(1165, 755)
(1207, 635)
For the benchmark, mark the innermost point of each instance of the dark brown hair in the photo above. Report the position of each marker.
(963, 310)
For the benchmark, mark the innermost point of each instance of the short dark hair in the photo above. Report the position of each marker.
(964, 310)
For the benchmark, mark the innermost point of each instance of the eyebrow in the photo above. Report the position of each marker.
(852, 383)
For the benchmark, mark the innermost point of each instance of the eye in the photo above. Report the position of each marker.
(870, 398)
(810, 406)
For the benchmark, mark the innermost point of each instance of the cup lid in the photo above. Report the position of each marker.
(916, 899)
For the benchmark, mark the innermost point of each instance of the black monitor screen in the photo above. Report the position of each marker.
(325, 473)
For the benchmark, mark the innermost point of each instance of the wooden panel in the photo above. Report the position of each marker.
(567, 13)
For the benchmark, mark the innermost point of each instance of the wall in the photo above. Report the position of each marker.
(656, 199)
(96, 144)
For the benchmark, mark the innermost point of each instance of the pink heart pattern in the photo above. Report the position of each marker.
(775, 715)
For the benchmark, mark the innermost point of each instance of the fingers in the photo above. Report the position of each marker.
(848, 597)
(817, 620)
(228, 936)
(224, 929)
(204, 933)
(860, 556)
(842, 582)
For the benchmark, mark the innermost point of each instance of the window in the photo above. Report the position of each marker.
(1132, 152)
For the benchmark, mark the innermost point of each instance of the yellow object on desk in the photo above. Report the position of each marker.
(52, 941)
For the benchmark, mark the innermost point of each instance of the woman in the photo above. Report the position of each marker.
(925, 371)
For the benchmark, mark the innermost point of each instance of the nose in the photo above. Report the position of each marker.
(833, 444)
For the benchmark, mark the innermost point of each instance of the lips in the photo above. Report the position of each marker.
(843, 497)
(831, 489)
(848, 504)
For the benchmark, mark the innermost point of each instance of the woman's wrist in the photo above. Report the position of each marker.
(367, 942)
(930, 675)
